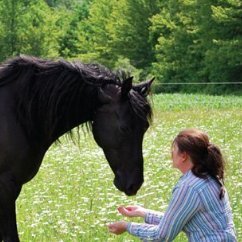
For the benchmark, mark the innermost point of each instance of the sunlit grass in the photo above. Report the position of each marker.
(72, 198)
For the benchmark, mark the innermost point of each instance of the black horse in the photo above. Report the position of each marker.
(40, 100)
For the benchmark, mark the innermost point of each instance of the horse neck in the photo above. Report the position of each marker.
(46, 119)
(79, 112)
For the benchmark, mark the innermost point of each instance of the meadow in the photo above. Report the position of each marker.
(72, 198)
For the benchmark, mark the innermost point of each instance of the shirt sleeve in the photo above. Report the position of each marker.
(153, 217)
(183, 205)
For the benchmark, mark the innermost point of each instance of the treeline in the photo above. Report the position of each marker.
(177, 41)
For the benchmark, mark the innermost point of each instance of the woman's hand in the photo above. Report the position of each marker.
(118, 227)
(133, 211)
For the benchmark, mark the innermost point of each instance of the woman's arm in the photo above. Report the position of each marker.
(153, 217)
(150, 216)
(184, 204)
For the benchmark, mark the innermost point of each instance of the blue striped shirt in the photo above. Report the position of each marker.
(196, 209)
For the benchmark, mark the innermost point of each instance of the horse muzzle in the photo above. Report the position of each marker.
(128, 186)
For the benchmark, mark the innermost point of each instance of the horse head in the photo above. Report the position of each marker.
(118, 126)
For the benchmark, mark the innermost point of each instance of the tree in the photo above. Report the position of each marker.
(28, 27)
(177, 50)
(67, 4)
(128, 28)
(198, 41)
(95, 37)
(224, 56)
(118, 29)
(72, 43)
(40, 32)
(10, 27)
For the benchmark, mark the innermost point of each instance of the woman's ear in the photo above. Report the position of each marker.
(184, 156)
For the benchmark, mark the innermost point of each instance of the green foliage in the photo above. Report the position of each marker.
(73, 42)
(129, 31)
(199, 41)
(124, 64)
(68, 4)
(96, 38)
(28, 27)
(39, 34)
(176, 41)
(224, 58)
(113, 30)
(10, 26)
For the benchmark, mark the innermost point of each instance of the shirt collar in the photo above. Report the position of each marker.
(186, 174)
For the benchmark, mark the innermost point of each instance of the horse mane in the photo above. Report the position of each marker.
(44, 88)
(93, 74)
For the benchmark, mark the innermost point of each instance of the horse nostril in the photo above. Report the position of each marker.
(131, 189)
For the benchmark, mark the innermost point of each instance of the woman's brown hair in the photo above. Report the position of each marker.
(206, 157)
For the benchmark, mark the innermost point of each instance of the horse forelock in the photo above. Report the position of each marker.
(140, 106)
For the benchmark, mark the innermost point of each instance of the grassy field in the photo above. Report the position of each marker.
(72, 198)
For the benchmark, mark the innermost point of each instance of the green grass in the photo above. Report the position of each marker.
(72, 198)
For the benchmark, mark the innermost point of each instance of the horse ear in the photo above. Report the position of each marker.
(126, 86)
(103, 97)
(143, 88)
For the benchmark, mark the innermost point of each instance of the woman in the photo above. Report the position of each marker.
(199, 205)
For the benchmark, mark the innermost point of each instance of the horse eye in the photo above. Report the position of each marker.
(124, 129)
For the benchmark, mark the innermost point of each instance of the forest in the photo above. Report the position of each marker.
(179, 42)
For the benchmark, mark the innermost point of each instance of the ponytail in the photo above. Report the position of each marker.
(215, 166)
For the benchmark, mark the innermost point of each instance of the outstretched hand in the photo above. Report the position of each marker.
(128, 211)
(118, 227)
(132, 211)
